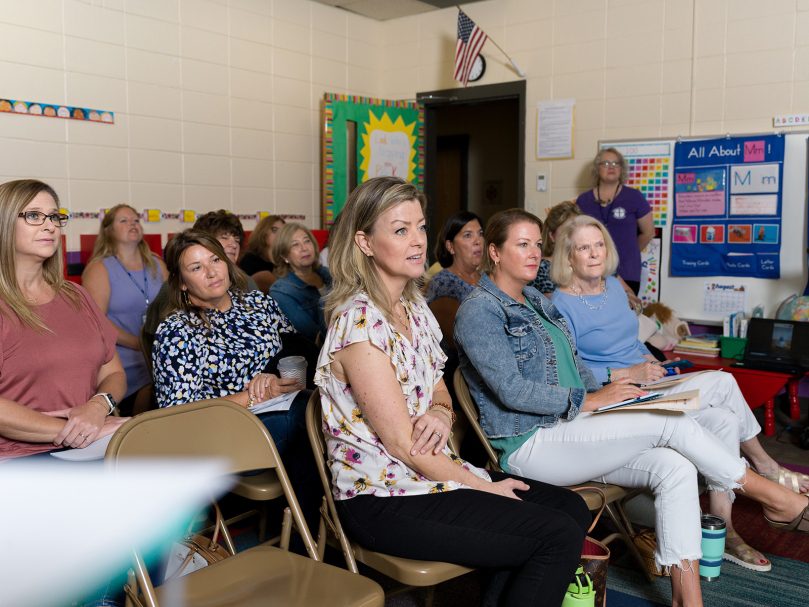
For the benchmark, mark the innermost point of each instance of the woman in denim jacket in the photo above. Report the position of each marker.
(535, 396)
(302, 281)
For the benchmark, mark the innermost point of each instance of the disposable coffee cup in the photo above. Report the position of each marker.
(294, 367)
(714, 531)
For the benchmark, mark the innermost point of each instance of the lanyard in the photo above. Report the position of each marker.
(145, 290)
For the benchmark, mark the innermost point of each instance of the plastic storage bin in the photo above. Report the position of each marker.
(732, 347)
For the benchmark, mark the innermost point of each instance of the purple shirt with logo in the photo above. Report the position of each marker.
(621, 218)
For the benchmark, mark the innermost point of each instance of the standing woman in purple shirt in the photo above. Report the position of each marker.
(623, 210)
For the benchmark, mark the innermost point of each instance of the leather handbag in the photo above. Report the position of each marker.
(595, 556)
(196, 551)
(646, 543)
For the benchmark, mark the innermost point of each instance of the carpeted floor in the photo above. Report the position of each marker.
(787, 585)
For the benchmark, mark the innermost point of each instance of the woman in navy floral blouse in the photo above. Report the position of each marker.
(459, 249)
(218, 343)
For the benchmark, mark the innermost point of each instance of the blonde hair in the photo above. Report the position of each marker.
(597, 159)
(282, 244)
(14, 197)
(557, 215)
(561, 268)
(257, 244)
(351, 270)
(105, 245)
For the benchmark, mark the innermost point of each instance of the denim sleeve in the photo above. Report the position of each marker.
(302, 322)
(480, 334)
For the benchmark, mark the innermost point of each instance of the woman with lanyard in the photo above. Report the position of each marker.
(123, 277)
(623, 210)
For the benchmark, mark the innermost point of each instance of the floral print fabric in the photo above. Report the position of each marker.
(194, 362)
(447, 284)
(360, 464)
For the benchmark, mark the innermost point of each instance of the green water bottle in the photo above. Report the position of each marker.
(580, 592)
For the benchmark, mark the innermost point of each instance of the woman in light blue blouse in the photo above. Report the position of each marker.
(302, 282)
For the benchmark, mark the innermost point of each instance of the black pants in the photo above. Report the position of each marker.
(534, 542)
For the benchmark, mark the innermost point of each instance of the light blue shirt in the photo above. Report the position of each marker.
(605, 329)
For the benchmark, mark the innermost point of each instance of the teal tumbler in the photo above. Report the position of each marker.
(714, 531)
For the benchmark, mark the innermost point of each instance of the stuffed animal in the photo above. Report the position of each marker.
(660, 326)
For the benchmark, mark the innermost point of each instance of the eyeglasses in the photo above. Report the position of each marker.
(610, 164)
(37, 218)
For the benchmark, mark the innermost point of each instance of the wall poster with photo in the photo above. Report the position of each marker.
(727, 207)
(363, 138)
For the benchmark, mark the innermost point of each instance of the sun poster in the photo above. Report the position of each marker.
(368, 138)
(727, 207)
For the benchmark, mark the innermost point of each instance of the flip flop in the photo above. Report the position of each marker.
(800, 524)
(746, 556)
(789, 479)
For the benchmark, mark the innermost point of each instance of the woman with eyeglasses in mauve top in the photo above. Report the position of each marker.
(624, 211)
(60, 375)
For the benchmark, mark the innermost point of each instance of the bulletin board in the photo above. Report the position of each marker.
(687, 295)
(727, 207)
(389, 141)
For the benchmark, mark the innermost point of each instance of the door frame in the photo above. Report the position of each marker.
(435, 100)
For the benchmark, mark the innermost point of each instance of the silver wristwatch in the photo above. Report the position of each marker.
(109, 400)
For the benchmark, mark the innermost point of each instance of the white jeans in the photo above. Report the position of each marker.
(719, 390)
(654, 450)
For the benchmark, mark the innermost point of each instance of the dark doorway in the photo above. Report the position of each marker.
(474, 150)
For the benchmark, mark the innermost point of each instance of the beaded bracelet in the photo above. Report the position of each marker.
(609, 375)
(447, 408)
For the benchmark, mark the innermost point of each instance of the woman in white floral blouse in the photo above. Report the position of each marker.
(387, 416)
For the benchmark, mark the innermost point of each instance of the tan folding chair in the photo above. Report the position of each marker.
(405, 571)
(614, 494)
(262, 487)
(260, 576)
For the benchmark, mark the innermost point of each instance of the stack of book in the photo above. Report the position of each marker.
(699, 345)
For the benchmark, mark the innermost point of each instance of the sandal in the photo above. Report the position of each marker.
(745, 555)
(800, 524)
(788, 478)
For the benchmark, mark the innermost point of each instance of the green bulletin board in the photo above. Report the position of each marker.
(390, 141)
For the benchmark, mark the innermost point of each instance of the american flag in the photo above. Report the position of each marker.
(470, 42)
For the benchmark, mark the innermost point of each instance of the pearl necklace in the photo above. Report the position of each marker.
(578, 292)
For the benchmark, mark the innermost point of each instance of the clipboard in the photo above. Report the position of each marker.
(677, 403)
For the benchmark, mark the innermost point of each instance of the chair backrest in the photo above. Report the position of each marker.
(470, 409)
(314, 427)
(215, 428)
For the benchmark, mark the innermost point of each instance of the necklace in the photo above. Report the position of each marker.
(603, 202)
(469, 278)
(143, 291)
(578, 292)
(403, 320)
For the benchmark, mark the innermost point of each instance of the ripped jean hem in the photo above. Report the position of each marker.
(666, 567)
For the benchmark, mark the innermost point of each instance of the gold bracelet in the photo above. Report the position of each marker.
(447, 408)
(250, 400)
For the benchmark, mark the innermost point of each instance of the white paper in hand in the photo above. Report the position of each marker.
(93, 451)
(279, 403)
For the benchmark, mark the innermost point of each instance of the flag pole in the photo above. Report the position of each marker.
(517, 69)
